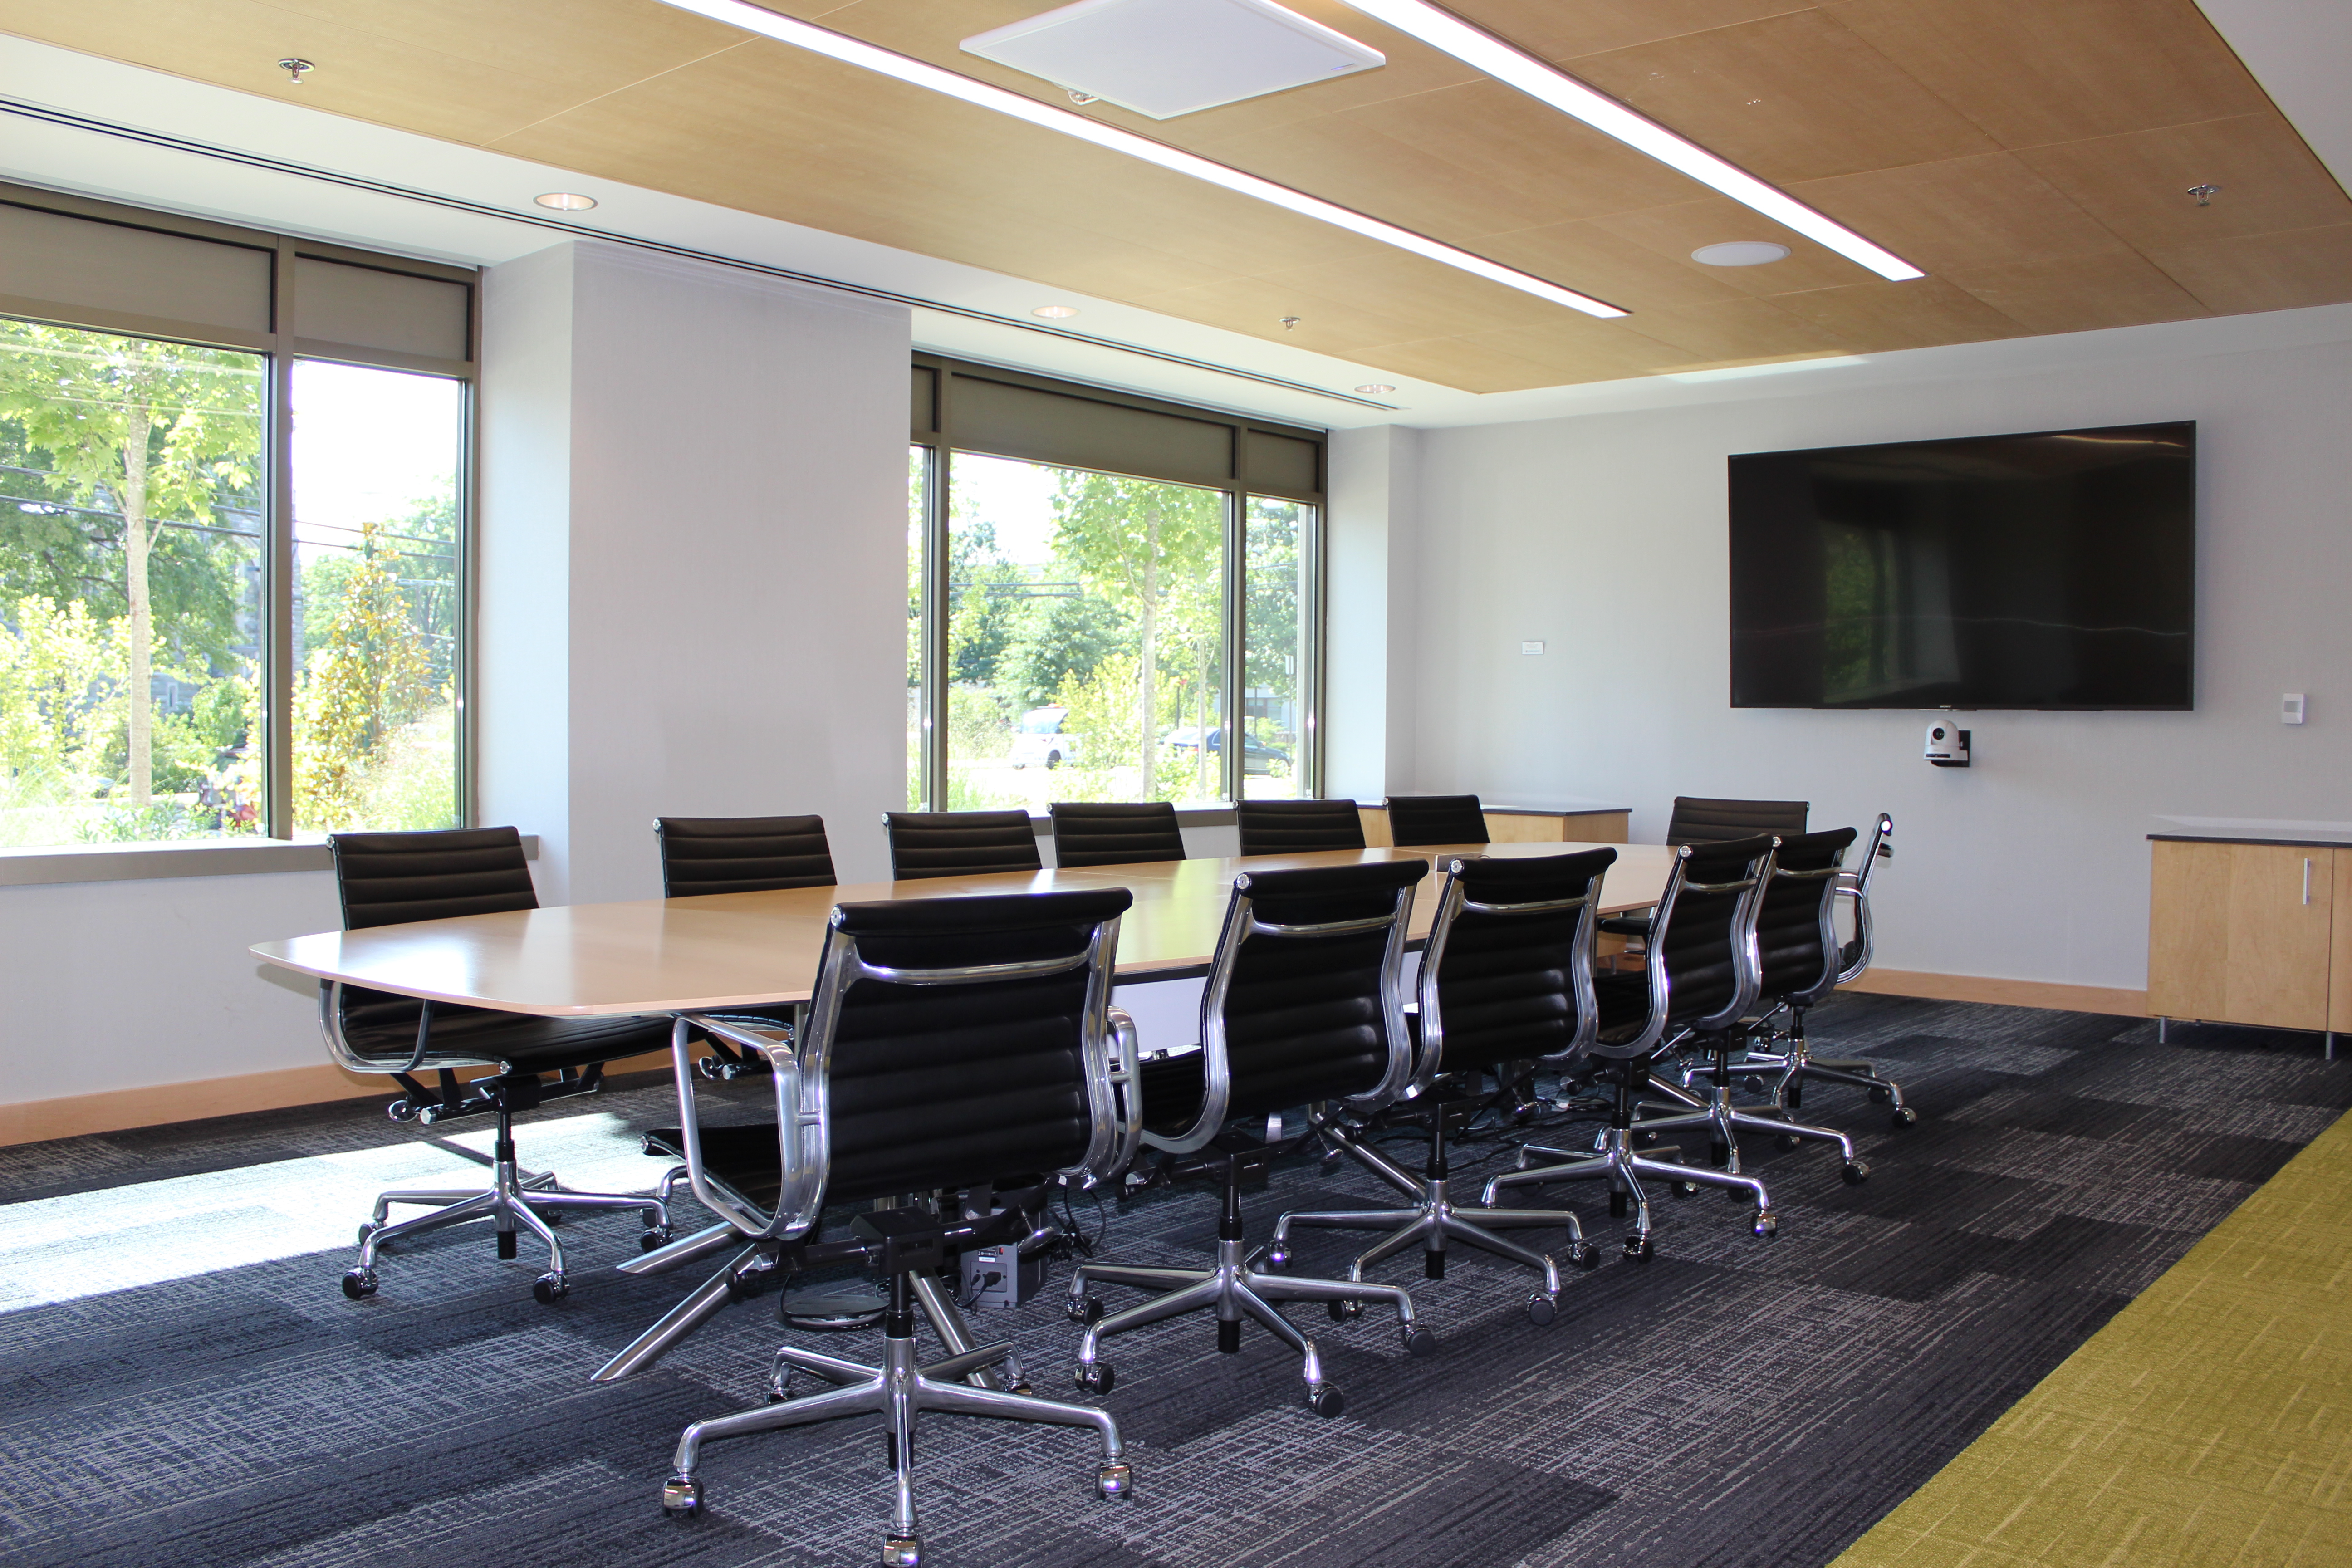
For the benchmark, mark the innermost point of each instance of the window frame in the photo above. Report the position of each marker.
(933, 427)
(282, 346)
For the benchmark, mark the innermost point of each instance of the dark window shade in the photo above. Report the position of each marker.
(925, 411)
(1284, 465)
(371, 307)
(1008, 421)
(65, 269)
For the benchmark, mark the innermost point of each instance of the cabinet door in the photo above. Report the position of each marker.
(2339, 970)
(2280, 932)
(2189, 930)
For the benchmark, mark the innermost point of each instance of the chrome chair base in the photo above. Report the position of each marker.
(1432, 1220)
(1236, 1292)
(1614, 1159)
(515, 1201)
(1725, 1121)
(897, 1390)
(1789, 1062)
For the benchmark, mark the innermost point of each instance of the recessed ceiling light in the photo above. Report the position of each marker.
(565, 202)
(1375, 388)
(1056, 312)
(1740, 253)
(1441, 30)
(923, 74)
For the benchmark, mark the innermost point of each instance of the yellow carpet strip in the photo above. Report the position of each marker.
(2207, 1425)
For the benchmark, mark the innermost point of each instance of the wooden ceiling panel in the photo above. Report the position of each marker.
(1962, 212)
(439, 77)
(1880, 316)
(1794, 97)
(1342, 309)
(2266, 271)
(1551, 31)
(2138, 184)
(1516, 361)
(1672, 233)
(1607, 265)
(2036, 71)
(1739, 332)
(2080, 294)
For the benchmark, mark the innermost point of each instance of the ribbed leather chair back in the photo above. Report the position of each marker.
(1514, 984)
(391, 878)
(953, 1085)
(1436, 819)
(742, 854)
(1122, 833)
(1701, 821)
(960, 843)
(1303, 1015)
(1794, 917)
(1705, 935)
(1297, 826)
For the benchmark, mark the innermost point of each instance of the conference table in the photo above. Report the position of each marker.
(723, 950)
(718, 951)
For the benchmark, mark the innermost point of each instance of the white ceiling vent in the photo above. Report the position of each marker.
(1167, 58)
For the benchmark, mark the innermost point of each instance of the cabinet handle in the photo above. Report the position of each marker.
(2306, 878)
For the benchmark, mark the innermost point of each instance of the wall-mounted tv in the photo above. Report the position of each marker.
(2050, 569)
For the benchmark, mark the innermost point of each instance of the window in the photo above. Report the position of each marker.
(232, 521)
(1073, 623)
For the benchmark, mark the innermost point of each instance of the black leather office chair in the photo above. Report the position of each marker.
(703, 854)
(924, 1010)
(707, 855)
(1122, 834)
(1795, 954)
(960, 843)
(391, 878)
(1303, 1004)
(1699, 976)
(1802, 965)
(1505, 978)
(1698, 820)
(1435, 819)
(1297, 826)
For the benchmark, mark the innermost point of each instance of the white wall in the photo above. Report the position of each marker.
(1605, 537)
(1368, 589)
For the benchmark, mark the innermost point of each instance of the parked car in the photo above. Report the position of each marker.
(1257, 757)
(1039, 739)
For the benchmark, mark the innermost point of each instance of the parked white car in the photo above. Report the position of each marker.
(1039, 739)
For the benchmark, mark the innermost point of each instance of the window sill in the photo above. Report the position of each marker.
(150, 862)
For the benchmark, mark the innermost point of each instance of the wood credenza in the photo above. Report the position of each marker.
(1523, 825)
(2251, 931)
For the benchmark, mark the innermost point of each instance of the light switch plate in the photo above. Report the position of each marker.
(2291, 708)
(1531, 648)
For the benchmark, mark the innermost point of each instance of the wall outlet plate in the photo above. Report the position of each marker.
(1538, 647)
(2291, 708)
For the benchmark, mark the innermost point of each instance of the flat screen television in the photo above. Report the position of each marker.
(2055, 570)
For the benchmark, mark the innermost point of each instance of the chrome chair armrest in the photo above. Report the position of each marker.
(797, 1204)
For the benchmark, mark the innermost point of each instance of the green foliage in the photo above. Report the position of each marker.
(1059, 641)
(370, 677)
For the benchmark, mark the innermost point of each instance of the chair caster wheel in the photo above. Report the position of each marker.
(1541, 1308)
(1095, 1379)
(1324, 1401)
(1277, 1258)
(1787, 1140)
(1768, 1224)
(1879, 1097)
(359, 1284)
(1115, 1480)
(1022, 1389)
(1639, 1248)
(1683, 1189)
(549, 1288)
(1085, 1309)
(1854, 1174)
(1584, 1255)
(682, 1497)
(552, 1218)
(1342, 1310)
(1646, 1138)
(1419, 1340)
(651, 1239)
(1906, 1117)
(902, 1551)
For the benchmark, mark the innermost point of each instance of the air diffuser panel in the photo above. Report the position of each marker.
(1167, 58)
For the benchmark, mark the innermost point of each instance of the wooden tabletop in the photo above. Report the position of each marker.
(739, 950)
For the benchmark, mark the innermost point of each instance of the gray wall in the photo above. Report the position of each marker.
(1604, 536)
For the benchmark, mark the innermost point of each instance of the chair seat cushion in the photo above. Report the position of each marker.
(384, 1027)
(745, 1157)
(1622, 1002)
(1625, 925)
(1174, 1089)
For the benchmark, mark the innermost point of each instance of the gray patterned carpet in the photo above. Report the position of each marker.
(181, 1382)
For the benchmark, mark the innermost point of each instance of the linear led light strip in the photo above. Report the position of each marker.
(1443, 30)
(921, 73)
